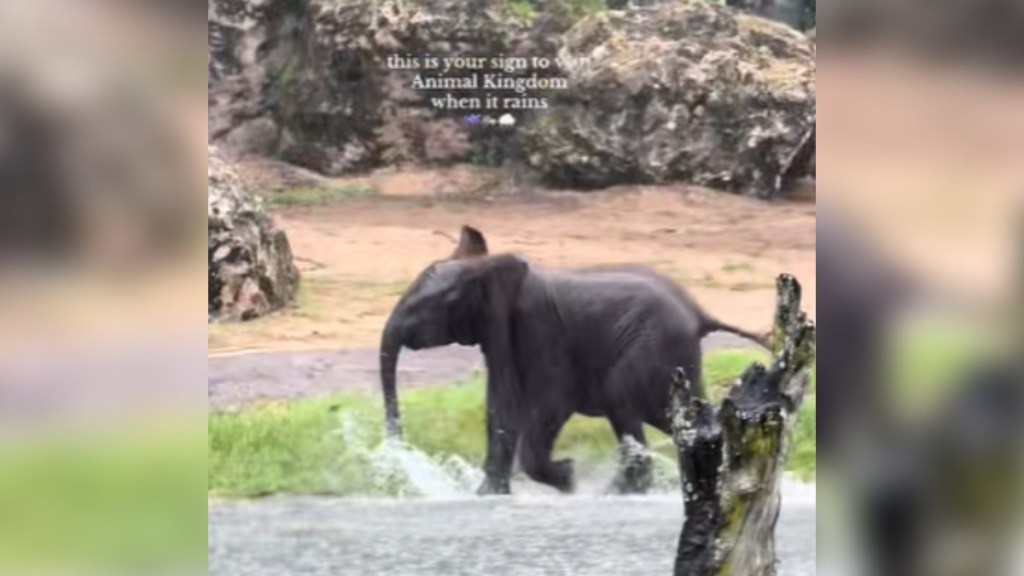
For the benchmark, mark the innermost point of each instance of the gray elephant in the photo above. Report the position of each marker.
(600, 342)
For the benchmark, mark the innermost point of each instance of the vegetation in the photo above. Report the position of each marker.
(312, 196)
(321, 445)
(306, 446)
(118, 500)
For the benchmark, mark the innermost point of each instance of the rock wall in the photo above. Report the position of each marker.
(307, 81)
(684, 91)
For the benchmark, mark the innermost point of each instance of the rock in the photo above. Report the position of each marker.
(251, 271)
(318, 70)
(257, 136)
(689, 91)
(686, 91)
(252, 46)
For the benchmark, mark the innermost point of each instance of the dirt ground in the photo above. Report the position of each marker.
(358, 252)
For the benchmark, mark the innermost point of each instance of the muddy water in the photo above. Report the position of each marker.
(526, 535)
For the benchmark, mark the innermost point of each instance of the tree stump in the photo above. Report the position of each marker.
(731, 457)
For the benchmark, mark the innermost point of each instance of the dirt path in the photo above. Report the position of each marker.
(359, 250)
(357, 254)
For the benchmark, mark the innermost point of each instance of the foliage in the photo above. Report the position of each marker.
(123, 500)
(313, 196)
(308, 446)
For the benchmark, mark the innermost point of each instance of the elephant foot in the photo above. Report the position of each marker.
(557, 474)
(636, 474)
(561, 476)
(494, 487)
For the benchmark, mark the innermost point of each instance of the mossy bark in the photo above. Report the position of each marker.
(732, 456)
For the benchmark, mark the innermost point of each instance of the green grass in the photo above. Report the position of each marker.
(312, 196)
(522, 9)
(302, 446)
(925, 356)
(737, 267)
(122, 500)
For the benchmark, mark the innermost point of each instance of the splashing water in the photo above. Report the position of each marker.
(398, 463)
(467, 475)
(666, 474)
(396, 468)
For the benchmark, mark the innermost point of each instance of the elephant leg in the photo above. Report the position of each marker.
(501, 444)
(535, 453)
(636, 467)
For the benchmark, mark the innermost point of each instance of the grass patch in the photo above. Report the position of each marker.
(737, 267)
(123, 500)
(926, 356)
(375, 289)
(312, 196)
(710, 281)
(522, 9)
(313, 445)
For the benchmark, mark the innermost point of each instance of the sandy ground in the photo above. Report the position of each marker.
(357, 255)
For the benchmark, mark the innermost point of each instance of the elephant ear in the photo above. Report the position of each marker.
(500, 279)
(471, 244)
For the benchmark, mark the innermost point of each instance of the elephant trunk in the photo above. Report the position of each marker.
(390, 346)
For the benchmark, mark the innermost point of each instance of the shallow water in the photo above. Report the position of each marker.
(523, 535)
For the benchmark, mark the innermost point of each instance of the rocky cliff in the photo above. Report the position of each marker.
(686, 91)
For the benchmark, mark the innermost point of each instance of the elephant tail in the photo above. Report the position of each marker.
(712, 325)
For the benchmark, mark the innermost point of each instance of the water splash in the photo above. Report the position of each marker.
(644, 467)
(468, 476)
(394, 467)
(666, 474)
(411, 471)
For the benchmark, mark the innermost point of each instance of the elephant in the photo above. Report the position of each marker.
(601, 341)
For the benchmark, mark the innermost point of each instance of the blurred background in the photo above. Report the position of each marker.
(919, 250)
(102, 146)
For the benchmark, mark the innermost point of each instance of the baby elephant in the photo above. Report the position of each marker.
(600, 342)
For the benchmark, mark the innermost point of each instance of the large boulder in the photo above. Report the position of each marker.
(251, 271)
(687, 91)
(682, 91)
(308, 81)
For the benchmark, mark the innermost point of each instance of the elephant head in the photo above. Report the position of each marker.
(465, 299)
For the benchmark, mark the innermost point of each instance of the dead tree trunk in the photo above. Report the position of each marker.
(731, 457)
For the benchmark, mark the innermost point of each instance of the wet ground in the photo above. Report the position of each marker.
(510, 536)
(238, 380)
